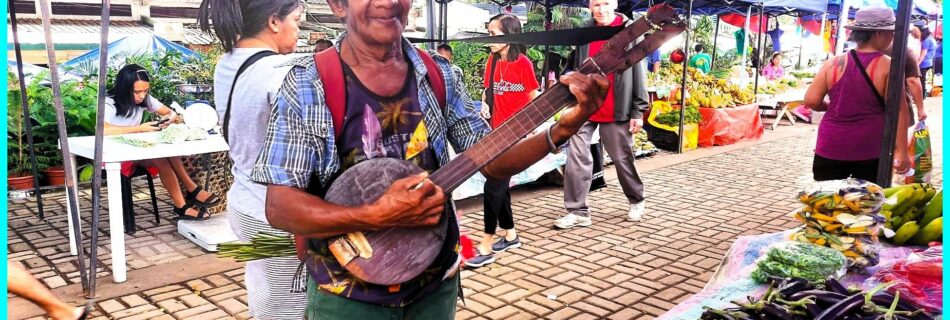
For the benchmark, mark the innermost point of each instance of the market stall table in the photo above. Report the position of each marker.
(113, 154)
(783, 103)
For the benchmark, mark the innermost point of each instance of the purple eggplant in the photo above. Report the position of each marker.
(821, 296)
(774, 311)
(834, 286)
(885, 299)
(813, 310)
(842, 308)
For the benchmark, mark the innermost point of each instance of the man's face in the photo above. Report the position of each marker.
(375, 21)
(603, 11)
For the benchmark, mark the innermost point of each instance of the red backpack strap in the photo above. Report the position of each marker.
(330, 70)
(435, 77)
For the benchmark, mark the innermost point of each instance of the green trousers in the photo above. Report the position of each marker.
(440, 304)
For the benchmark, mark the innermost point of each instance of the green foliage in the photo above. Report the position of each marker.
(471, 58)
(80, 101)
(561, 18)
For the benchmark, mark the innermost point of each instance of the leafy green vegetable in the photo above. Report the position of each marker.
(672, 118)
(799, 259)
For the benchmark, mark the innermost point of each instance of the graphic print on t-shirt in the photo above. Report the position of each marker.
(503, 86)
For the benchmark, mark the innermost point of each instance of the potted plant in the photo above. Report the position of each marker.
(79, 102)
(19, 175)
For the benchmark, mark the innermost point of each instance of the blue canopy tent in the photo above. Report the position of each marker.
(129, 46)
(921, 8)
(30, 71)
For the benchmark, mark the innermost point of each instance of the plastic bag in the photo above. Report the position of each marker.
(690, 130)
(799, 260)
(843, 215)
(919, 279)
(919, 147)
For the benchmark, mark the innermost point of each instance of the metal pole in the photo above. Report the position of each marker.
(842, 21)
(801, 46)
(25, 104)
(548, 16)
(430, 25)
(758, 53)
(73, 203)
(745, 53)
(97, 152)
(824, 18)
(715, 44)
(689, 19)
(895, 94)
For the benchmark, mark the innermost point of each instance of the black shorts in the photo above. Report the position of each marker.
(830, 169)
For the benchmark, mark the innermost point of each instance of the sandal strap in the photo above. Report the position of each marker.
(193, 195)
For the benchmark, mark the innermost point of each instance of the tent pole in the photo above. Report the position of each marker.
(715, 43)
(97, 152)
(842, 21)
(758, 53)
(801, 45)
(745, 53)
(24, 103)
(895, 93)
(821, 30)
(548, 17)
(689, 19)
(73, 203)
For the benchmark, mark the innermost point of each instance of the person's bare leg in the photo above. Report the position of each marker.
(484, 247)
(190, 185)
(170, 181)
(21, 283)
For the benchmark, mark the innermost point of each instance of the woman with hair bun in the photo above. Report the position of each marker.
(256, 35)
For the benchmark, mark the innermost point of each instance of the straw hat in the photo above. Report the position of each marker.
(873, 19)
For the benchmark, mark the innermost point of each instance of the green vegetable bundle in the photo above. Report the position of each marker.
(263, 245)
(672, 118)
(799, 260)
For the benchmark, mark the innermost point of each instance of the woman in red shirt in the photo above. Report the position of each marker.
(509, 84)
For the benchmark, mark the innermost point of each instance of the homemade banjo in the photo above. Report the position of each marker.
(396, 255)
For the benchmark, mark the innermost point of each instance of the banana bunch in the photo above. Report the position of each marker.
(915, 214)
(846, 220)
(709, 91)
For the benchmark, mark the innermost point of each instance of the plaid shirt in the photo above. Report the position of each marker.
(300, 138)
(300, 141)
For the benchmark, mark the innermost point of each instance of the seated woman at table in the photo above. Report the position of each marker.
(773, 70)
(125, 103)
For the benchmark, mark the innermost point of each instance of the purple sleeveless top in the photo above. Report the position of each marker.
(853, 126)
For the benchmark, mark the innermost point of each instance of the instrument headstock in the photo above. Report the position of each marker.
(615, 54)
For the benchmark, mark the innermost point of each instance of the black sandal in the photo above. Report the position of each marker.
(192, 197)
(182, 213)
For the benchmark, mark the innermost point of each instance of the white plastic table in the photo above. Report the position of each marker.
(113, 154)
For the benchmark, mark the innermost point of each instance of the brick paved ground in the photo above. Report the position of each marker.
(614, 269)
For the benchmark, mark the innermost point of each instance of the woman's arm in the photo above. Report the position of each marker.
(815, 96)
(109, 129)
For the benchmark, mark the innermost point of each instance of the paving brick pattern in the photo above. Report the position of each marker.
(43, 246)
(612, 270)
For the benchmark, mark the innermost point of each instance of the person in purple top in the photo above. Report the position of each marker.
(849, 136)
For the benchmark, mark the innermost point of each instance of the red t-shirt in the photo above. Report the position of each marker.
(512, 83)
(606, 112)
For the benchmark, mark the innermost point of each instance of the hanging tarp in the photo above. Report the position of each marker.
(30, 71)
(130, 46)
(922, 8)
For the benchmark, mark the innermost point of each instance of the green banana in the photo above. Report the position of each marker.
(907, 231)
(898, 199)
(934, 209)
(892, 190)
(932, 232)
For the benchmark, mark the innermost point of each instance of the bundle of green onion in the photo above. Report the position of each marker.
(133, 141)
(262, 246)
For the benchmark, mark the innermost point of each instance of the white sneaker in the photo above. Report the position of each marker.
(572, 220)
(636, 211)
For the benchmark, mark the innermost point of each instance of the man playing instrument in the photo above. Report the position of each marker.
(390, 102)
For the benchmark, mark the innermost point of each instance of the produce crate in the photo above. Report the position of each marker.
(663, 139)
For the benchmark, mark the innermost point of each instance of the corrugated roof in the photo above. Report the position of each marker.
(74, 31)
